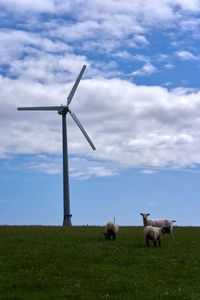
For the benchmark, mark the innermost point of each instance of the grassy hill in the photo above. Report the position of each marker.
(39, 262)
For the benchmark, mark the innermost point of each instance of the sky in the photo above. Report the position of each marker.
(138, 100)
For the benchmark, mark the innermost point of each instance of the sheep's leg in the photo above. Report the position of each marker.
(154, 242)
(147, 242)
(109, 234)
(171, 233)
(106, 235)
(114, 236)
(159, 242)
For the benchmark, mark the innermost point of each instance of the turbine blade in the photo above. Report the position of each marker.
(41, 108)
(74, 117)
(73, 90)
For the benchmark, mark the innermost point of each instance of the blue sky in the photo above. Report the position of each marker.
(138, 100)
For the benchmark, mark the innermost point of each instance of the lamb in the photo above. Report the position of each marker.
(158, 223)
(155, 234)
(111, 230)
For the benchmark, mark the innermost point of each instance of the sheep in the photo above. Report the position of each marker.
(158, 223)
(111, 230)
(155, 234)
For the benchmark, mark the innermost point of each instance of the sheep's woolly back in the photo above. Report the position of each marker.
(158, 223)
(152, 232)
(111, 226)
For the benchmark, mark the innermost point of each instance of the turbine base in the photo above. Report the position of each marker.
(67, 220)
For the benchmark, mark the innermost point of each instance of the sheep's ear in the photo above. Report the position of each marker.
(141, 214)
(148, 215)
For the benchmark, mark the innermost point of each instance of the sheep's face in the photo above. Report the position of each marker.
(107, 235)
(166, 230)
(144, 216)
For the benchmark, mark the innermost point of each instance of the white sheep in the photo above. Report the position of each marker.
(111, 230)
(155, 234)
(158, 223)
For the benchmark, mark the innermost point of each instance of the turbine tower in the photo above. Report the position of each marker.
(63, 110)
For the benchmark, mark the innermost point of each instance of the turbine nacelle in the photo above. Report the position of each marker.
(64, 109)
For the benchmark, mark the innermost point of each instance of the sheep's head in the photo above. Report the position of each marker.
(107, 235)
(144, 216)
(165, 230)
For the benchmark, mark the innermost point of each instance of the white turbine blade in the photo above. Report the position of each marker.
(41, 108)
(73, 90)
(82, 129)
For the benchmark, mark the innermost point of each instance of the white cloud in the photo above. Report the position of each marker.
(146, 171)
(146, 69)
(111, 23)
(48, 167)
(124, 55)
(130, 125)
(166, 8)
(141, 39)
(162, 57)
(188, 5)
(76, 31)
(190, 24)
(186, 55)
(36, 58)
(30, 5)
(83, 169)
(169, 66)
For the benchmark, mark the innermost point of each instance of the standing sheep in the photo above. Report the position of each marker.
(111, 230)
(155, 234)
(158, 223)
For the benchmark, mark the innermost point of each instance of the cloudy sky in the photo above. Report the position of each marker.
(138, 100)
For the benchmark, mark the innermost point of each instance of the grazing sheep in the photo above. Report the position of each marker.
(111, 230)
(155, 234)
(158, 223)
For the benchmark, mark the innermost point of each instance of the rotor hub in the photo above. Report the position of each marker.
(63, 110)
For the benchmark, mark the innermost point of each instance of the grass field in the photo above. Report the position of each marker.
(77, 263)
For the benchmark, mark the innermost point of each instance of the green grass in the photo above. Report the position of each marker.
(78, 263)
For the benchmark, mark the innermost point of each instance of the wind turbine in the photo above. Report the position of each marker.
(63, 110)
